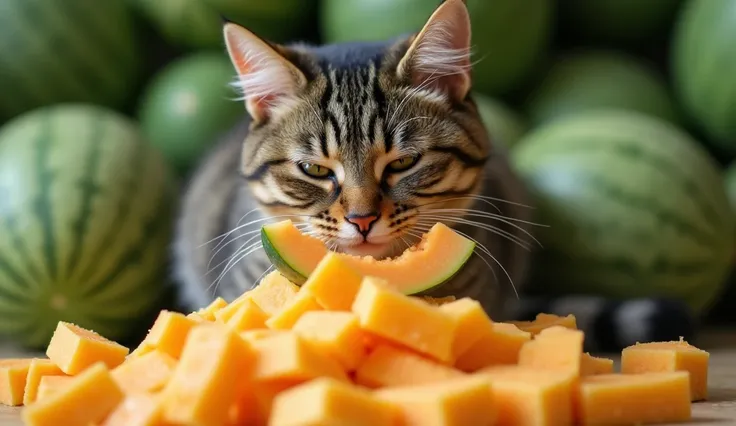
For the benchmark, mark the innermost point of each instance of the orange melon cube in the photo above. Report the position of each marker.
(287, 316)
(555, 348)
(335, 334)
(326, 401)
(255, 405)
(13, 374)
(389, 366)
(73, 349)
(51, 384)
(209, 312)
(38, 369)
(543, 321)
(248, 317)
(499, 346)
(666, 357)
(146, 373)
(591, 365)
(208, 378)
(627, 399)
(456, 402)
(288, 357)
(273, 292)
(140, 409)
(404, 320)
(472, 323)
(530, 397)
(251, 336)
(87, 399)
(333, 283)
(142, 349)
(169, 332)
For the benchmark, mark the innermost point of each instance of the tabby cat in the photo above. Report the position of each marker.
(365, 146)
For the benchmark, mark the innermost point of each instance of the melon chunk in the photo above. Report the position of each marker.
(146, 373)
(248, 317)
(142, 349)
(334, 284)
(87, 399)
(591, 365)
(387, 366)
(13, 374)
(335, 334)
(51, 384)
(556, 348)
(287, 316)
(38, 369)
(255, 405)
(169, 332)
(139, 409)
(421, 326)
(472, 323)
(543, 321)
(626, 399)
(455, 402)
(204, 384)
(273, 292)
(498, 346)
(530, 397)
(329, 402)
(73, 349)
(434, 260)
(208, 312)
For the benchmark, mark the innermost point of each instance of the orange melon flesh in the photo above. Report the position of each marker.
(498, 346)
(557, 349)
(387, 366)
(38, 369)
(208, 312)
(73, 349)
(472, 323)
(543, 321)
(591, 365)
(336, 334)
(146, 373)
(169, 332)
(627, 399)
(13, 374)
(292, 310)
(668, 357)
(435, 259)
(139, 409)
(51, 384)
(248, 317)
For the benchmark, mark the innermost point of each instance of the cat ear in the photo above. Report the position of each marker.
(439, 56)
(266, 79)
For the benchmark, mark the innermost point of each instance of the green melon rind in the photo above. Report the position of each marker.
(635, 207)
(434, 288)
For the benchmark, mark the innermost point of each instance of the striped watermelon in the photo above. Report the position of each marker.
(85, 215)
(635, 208)
(704, 64)
(54, 51)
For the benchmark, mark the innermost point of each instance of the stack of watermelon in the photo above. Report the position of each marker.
(106, 105)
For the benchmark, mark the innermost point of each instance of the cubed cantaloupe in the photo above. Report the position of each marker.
(208, 312)
(38, 369)
(51, 384)
(73, 349)
(248, 317)
(498, 346)
(627, 399)
(591, 365)
(13, 374)
(472, 323)
(454, 402)
(333, 283)
(288, 357)
(270, 295)
(336, 334)
(543, 321)
(169, 332)
(87, 399)
(556, 348)
(292, 310)
(142, 349)
(146, 373)
(389, 366)
(325, 401)
(669, 356)
(137, 409)
(208, 379)
(530, 397)
(255, 405)
(404, 320)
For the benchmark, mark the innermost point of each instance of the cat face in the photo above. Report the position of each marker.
(363, 147)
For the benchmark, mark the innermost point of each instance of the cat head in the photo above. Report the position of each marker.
(363, 141)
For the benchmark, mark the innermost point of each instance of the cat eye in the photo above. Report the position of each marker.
(403, 163)
(315, 170)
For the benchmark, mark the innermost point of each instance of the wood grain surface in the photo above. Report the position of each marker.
(719, 410)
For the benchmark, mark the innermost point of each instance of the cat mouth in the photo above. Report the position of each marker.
(377, 250)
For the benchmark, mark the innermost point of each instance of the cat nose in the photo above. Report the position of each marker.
(363, 222)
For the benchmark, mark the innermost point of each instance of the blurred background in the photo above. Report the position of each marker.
(619, 114)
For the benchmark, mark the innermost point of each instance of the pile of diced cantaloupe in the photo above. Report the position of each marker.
(347, 350)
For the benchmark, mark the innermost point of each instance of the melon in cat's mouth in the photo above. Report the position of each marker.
(435, 259)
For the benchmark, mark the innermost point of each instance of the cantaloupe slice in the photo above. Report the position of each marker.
(51, 384)
(326, 401)
(38, 369)
(335, 334)
(627, 399)
(13, 374)
(169, 332)
(73, 349)
(434, 260)
(543, 321)
(146, 373)
(667, 357)
(387, 366)
(499, 346)
(455, 402)
(419, 325)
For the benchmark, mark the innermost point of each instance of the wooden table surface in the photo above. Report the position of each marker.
(719, 410)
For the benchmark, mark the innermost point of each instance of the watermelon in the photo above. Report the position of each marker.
(57, 51)
(188, 105)
(504, 125)
(704, 63)
(86, 216)
(635, 208)
(600, 79)
(509, 36)
(624, 21)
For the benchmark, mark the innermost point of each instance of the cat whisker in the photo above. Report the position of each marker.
(252, 222)
(215, 253)
(241, 249)
(480, 225)
(235, 259)
(225, 234)
(467, 197)
(479, 213)
(409, 93)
